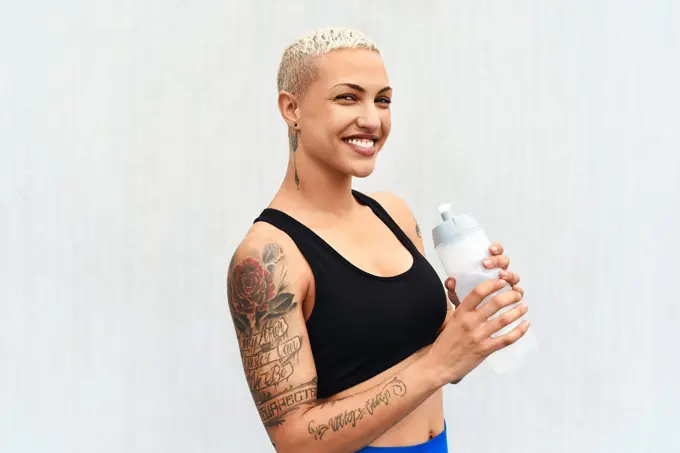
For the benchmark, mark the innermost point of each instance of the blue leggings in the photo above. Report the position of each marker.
(435, 445)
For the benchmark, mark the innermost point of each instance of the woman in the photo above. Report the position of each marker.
(345, 331)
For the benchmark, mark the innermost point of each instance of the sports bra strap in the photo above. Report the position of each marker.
(387, 220)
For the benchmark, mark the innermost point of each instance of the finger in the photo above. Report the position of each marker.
(510, 277)
(480, 292)
(500, 261)
(496, 249)
(497, 303)
(505, 319)
(519, 290)
(453, 297)
(494, 344)
(451, 287)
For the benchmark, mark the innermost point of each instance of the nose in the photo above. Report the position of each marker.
(369, 118)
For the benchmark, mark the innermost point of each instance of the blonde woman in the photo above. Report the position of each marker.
(344, 328)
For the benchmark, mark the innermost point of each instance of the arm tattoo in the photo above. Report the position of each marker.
(418, 230)
(259, 303)
(393, 388)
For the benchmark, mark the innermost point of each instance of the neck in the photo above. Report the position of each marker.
(320, 189)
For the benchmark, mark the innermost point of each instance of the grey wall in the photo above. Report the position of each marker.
(140, 139)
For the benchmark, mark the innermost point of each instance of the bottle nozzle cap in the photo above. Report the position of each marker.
(452, 226)
(445, 211)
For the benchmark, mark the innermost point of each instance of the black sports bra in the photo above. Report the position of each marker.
(363, 324)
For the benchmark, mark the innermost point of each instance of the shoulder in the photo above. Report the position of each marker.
(396, 207)
(267, 249)
(399, 210)
(393, 204)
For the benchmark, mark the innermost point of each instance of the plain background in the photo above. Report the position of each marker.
(139, 139)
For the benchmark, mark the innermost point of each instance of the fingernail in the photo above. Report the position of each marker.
(494, 248)
(502, 274)
(487, 262)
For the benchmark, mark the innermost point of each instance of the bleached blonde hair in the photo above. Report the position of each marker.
(298, 66)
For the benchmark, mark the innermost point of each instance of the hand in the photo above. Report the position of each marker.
(496, 260)
(465, 340)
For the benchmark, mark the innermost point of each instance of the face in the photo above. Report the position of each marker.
(344, 117)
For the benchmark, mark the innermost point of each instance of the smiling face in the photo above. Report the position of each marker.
(344, 116)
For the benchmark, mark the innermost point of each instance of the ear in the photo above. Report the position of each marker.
(289, 108)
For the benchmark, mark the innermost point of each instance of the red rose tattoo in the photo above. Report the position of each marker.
(254, 296)
(252, 287)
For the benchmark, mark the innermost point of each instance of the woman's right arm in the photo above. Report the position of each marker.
(265, 289)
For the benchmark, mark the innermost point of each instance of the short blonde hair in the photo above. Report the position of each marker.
(298, 66)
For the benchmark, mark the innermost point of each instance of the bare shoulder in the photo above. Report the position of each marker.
(274, 249)
(399, 210)
(394, 205)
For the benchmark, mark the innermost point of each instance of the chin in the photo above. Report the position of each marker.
(362, 170)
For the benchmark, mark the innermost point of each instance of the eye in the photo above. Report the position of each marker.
(384, 100)
(346, 97)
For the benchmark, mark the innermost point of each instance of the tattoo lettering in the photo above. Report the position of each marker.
(394, 388)
(267, 354)
(272, 411)
(268, 348)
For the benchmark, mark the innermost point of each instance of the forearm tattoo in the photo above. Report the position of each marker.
(259, 303)
(394, 388)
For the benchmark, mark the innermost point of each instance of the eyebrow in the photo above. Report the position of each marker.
(360, 88)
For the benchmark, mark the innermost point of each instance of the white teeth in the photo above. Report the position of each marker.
(361, 142)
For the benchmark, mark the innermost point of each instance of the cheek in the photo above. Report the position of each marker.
(386, 120)
(330, 123)
(340, 120)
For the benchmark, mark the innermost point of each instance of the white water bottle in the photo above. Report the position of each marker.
(462, 245)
